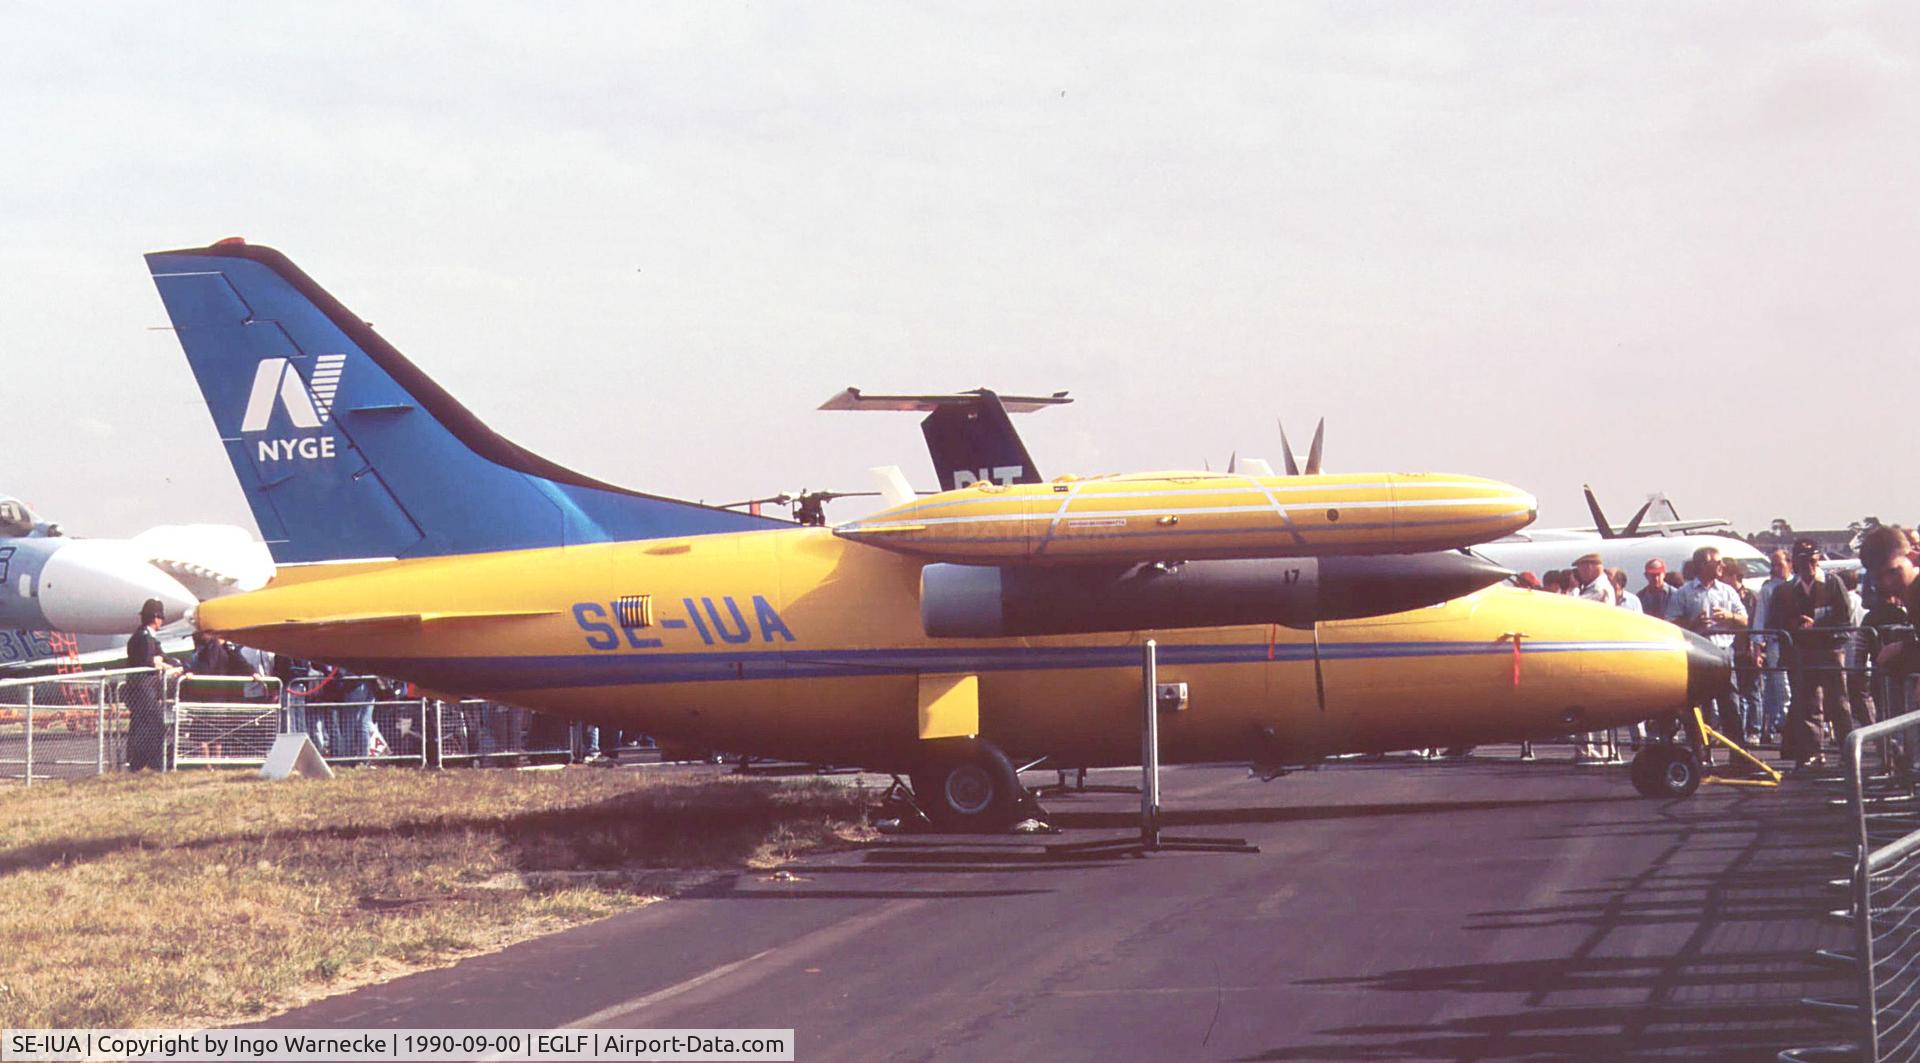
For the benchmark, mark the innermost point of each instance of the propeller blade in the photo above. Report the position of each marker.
(1599, 519)
(1286, 450)
(1313, 452)
(1633, 526)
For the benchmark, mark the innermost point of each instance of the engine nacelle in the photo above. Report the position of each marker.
(976, 601)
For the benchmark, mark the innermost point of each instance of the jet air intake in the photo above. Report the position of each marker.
(973, 601)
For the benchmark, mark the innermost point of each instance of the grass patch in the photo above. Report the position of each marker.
(202, 897)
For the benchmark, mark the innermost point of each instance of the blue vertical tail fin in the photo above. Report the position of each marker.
(346, 450)
(977, 441)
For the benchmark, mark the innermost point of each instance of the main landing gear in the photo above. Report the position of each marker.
(969, 785)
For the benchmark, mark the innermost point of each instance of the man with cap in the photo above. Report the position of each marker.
(1804, 605)
(1656, 595)
(1590, 580)
(146, 724)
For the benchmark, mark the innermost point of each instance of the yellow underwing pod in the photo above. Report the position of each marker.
(1189, 515)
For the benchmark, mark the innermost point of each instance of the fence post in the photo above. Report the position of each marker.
(30, 690)
(1855, 754)
(167, 762)
(100, 729)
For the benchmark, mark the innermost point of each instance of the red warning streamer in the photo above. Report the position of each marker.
(1515, 637)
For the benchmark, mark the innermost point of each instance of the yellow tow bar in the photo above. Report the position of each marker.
(1710, 736)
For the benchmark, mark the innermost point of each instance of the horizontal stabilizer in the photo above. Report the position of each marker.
(855, 399)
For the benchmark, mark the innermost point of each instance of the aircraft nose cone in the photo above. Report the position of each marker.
(1709, 669)
(98, 588)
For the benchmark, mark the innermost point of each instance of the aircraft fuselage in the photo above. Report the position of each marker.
(795, 643)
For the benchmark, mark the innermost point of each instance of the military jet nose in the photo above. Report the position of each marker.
(98, 587)
(1709, 669)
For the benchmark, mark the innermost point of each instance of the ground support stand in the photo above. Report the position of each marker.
(1151, 840)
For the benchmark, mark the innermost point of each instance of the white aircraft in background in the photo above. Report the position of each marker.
(1667, 538)
(67, 600)
(1655, 531)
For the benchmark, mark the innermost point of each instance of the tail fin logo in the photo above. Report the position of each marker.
(275, 381)
(1006, 475)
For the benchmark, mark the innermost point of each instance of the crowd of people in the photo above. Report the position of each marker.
(1813, 651)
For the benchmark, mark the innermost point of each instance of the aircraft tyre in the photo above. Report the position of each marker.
(1666, 771)
(967, 784)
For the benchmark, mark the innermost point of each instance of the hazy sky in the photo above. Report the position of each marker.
(1656, 247)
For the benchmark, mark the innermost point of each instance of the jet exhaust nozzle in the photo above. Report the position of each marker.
(980, 601)
(1709, 669)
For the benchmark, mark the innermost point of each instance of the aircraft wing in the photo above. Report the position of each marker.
(1684, 527)
(209, 559)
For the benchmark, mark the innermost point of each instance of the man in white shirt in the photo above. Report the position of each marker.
(1711, 608)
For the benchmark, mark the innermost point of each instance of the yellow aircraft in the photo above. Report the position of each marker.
(414, 542)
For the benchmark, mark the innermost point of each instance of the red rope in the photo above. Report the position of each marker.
(1516, 636)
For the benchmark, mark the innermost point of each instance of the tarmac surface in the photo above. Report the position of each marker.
(1396, 910)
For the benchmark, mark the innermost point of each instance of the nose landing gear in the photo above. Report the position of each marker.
(1674, 770)
(1666, 771)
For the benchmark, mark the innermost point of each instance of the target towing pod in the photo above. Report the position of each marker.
(1197, 515)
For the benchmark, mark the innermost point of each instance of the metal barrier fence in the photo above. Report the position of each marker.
(475, 730)
(70, 726)
(374, 731)
(222, 719)
(65, 726)
(1883, 797)
(1861, 643)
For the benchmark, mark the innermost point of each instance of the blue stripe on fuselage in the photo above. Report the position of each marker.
(605, 670)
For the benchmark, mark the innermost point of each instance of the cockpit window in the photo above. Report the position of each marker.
(16, 520)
